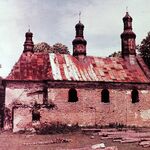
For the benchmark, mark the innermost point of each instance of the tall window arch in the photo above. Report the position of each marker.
(72, 95)
(105, 96)
(135, 96)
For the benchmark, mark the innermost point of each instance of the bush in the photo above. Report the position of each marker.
(54, 128)
(116, 125)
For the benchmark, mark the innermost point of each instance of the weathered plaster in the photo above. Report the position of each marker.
(145, 114)
(87, 111)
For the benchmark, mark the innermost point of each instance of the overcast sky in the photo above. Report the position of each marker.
(53, 21)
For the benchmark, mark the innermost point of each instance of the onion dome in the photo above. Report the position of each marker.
(28, 44)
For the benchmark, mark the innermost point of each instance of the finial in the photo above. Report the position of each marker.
(79, 16)
(126, 8)
(29, 28)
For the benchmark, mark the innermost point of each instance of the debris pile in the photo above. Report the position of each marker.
(142, 137)
(102, 146)
(55, 141)
(98, 148)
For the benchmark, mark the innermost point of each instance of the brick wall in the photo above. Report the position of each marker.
(20, 96)
(88, 110)
(2, 98)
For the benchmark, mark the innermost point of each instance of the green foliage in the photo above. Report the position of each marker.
(116, 54)
(144, 49)
(60, 48)
(42, 47)
(56, 48)
(56, 128)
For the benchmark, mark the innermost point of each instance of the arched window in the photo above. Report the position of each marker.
(135, 96)
(72, 95)
(105, 96)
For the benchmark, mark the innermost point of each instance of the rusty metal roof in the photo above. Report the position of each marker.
(44, 66)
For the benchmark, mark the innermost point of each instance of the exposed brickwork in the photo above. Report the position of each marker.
(87, 111)
(24, 96)
(119, 110)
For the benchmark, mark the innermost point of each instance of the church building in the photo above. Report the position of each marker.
(49, 88)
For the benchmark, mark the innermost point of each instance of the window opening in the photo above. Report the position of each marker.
(72, 95)
(105, 96)
(135, 96)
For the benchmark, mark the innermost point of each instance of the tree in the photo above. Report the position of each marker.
(56, 48)
(42, 47)
(60, 48)
(144, 49)
(116, 54)
(0, 76)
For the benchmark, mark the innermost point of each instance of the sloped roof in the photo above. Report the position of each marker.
(50, 66)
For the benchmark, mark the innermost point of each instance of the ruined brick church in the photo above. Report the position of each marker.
(78, 89)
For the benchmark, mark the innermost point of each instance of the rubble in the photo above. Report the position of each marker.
(55, 141)
(89, 148)
(101, 145)
(124, 135)
(129, 136)
(145, 143)
(92, 137)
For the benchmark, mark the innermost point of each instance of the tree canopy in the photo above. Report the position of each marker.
(144, 49)
(115, 54)
(56, 48)
(60, 48)
(42, 47)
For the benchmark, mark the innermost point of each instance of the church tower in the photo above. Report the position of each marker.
(128, 37)
(79, 43)
(28, 44)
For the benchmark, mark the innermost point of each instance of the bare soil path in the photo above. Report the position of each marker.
(75, 140)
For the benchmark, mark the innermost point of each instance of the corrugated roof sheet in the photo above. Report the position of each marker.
(42, 66)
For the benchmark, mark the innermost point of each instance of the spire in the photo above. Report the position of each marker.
(28, 44)
(128, 37)
(127, 19)
(79, 15)
(79, 43)
(79, 27)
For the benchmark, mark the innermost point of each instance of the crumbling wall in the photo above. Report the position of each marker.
(54, 107)
(2, 99)
(22, 119)
(89, 110)
(138, 114)
(23, 96)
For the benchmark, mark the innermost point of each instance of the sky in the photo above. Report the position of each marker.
(53, 21)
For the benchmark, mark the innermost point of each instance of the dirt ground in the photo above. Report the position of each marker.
(76, 140)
